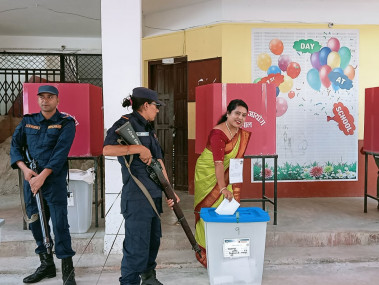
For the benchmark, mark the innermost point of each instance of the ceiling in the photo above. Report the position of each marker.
(65, 18)
(81, 18)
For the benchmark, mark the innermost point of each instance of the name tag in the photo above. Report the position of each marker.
(54, 127)
(32, 126)
(142, 134)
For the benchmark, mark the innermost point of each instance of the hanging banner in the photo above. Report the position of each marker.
(315, 73)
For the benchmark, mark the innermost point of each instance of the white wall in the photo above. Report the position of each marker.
(50, 44)
(121, 47)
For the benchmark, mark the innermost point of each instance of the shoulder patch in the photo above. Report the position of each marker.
(68, 116)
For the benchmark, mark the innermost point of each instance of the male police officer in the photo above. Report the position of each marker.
(48, 136)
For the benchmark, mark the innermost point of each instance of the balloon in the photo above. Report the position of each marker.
(293, 70)
(257, 80)
(286, 85)
(345, 55)
(315, 60)
(340, 71)
(281, 106)
(334, 59)
(349, 71)
(277, 91)
(291, 94)
(276, 46)
(283, 62)
(264, 61)
(273, 69)
(313, 79)
(334, 44)
(324, 52)
(324, 72)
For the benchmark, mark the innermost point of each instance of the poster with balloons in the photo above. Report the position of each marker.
(315, 73)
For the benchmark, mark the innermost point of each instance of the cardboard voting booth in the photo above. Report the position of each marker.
(82, 101)
(212, 101)
(371, 130)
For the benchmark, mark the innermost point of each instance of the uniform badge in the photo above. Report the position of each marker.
(32, 126)
(54, 127)
(142, 134)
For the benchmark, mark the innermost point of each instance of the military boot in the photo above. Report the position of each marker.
(46, 270)
(68, 272)
(150, 278)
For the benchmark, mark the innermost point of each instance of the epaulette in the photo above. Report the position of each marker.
(65, 115)
(125, 117)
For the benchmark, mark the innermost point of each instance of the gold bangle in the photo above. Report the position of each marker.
(223, 188)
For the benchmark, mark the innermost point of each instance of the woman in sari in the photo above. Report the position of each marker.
(226, 141)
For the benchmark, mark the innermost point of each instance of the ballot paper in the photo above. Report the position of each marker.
(236, 170)
(227, 208)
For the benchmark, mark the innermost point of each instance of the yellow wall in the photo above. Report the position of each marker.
(232, 42)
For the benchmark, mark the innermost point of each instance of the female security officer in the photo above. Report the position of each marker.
(48, 135)
(142, 225)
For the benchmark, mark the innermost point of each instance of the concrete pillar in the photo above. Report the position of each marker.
(121, 50)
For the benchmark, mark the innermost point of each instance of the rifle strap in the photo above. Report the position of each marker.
(34, 217)
(141, 186)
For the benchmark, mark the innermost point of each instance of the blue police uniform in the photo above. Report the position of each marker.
(48, 142)
(142, 226)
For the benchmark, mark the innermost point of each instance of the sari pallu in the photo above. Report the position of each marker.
(207, 191)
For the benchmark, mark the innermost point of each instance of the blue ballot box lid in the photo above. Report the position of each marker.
(242, 215)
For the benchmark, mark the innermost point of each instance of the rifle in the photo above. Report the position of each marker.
(41, 210)
(130, 137)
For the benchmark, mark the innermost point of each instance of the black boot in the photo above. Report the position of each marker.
(68, 272)
(150, 278)
(46, 270)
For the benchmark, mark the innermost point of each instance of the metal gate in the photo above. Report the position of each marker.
(19, 68)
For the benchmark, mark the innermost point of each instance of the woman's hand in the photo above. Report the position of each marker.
(145, 155)
(227, 194)
(170, 202)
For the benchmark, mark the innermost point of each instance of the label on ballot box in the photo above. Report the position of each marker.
(234, 248)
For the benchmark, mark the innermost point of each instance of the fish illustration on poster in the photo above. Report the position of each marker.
(316, 74)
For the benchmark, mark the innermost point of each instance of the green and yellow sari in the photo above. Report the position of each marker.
(207, 192)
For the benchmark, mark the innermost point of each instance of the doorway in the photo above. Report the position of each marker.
(170, 81)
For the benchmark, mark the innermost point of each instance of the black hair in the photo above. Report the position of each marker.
(135, 102)
(232, 106)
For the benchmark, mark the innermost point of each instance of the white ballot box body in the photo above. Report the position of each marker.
(235, 245)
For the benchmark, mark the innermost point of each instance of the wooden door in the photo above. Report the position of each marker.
(170, 81)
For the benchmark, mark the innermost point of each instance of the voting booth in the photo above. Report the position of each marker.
(235, 245)
(213, 99)
(82, 101)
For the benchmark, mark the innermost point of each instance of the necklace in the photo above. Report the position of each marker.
(230, 132)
